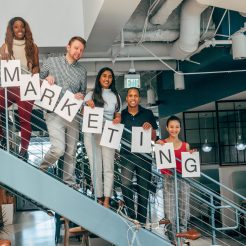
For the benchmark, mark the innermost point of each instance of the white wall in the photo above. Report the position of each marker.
(91, 11)
(53, 22)
(226, 178)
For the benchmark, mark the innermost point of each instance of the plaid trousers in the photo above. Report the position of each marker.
(169, 205)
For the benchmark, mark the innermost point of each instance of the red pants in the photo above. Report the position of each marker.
(24, 111)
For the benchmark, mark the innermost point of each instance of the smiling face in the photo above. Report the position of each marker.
(133, 98)
(173, 128)
(106, 79)
(75, 50)
(19, 30)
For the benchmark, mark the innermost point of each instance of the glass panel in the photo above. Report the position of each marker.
(203, 125)
(225, 106)
(222, 116)
(193, 136)
(191, 121)
(225, 155)
(209, 157)
(224, 139)
(233, 154)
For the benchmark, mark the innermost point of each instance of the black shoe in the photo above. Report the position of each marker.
(23, 155)
(50, 213)
(75, 186)
(3, 144)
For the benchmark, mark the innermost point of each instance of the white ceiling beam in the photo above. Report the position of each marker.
(236, 5)
(112, 17)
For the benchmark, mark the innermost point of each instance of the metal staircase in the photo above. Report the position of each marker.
(47, 190)
(70, 203)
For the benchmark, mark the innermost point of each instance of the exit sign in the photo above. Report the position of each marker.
(132, 80)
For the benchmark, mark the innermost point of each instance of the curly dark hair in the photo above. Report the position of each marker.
(29, 46)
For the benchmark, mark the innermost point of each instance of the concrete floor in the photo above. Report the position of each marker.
(36, 228)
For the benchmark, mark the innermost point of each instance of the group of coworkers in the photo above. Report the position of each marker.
(71, 75)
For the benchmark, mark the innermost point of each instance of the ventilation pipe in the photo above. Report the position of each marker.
(242, 14)
(134, 50)
(161, 16)
(189, 30)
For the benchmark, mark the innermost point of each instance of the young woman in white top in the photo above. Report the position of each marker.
(103, 95)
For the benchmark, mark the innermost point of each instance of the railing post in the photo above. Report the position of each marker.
(176, 204)
(212, 220)
(150, 218)
(94, 164)
(6, 117)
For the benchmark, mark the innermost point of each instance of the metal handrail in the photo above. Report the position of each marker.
(221, 185)
(200, 187)
(211, 193)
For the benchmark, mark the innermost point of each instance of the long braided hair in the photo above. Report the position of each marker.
(29, 43)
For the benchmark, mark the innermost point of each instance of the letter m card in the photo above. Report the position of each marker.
(10, 73)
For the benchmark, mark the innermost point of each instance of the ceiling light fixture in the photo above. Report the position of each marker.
(238, 46)
(151, 95)
(206, 147)
(179, 83)
(240, 144)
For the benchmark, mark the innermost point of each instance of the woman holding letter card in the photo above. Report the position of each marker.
(19, 45)
(101, 160)
(173, 127)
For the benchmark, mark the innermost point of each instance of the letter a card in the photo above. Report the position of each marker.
(30, 87)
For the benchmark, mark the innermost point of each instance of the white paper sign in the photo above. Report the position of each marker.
(92, 119)
(49, 96)
(111, 135)
(10, 73)
(68, 107)
(141, 140)
(30, 87)
(190, 164)
(165, 156)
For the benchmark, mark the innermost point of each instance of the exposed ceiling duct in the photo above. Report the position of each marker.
(139, 25)
(129, 51)
(161, 16)
(151, 35)
(168, 25)
(242, 14)
(189, 30)
(121, 67)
